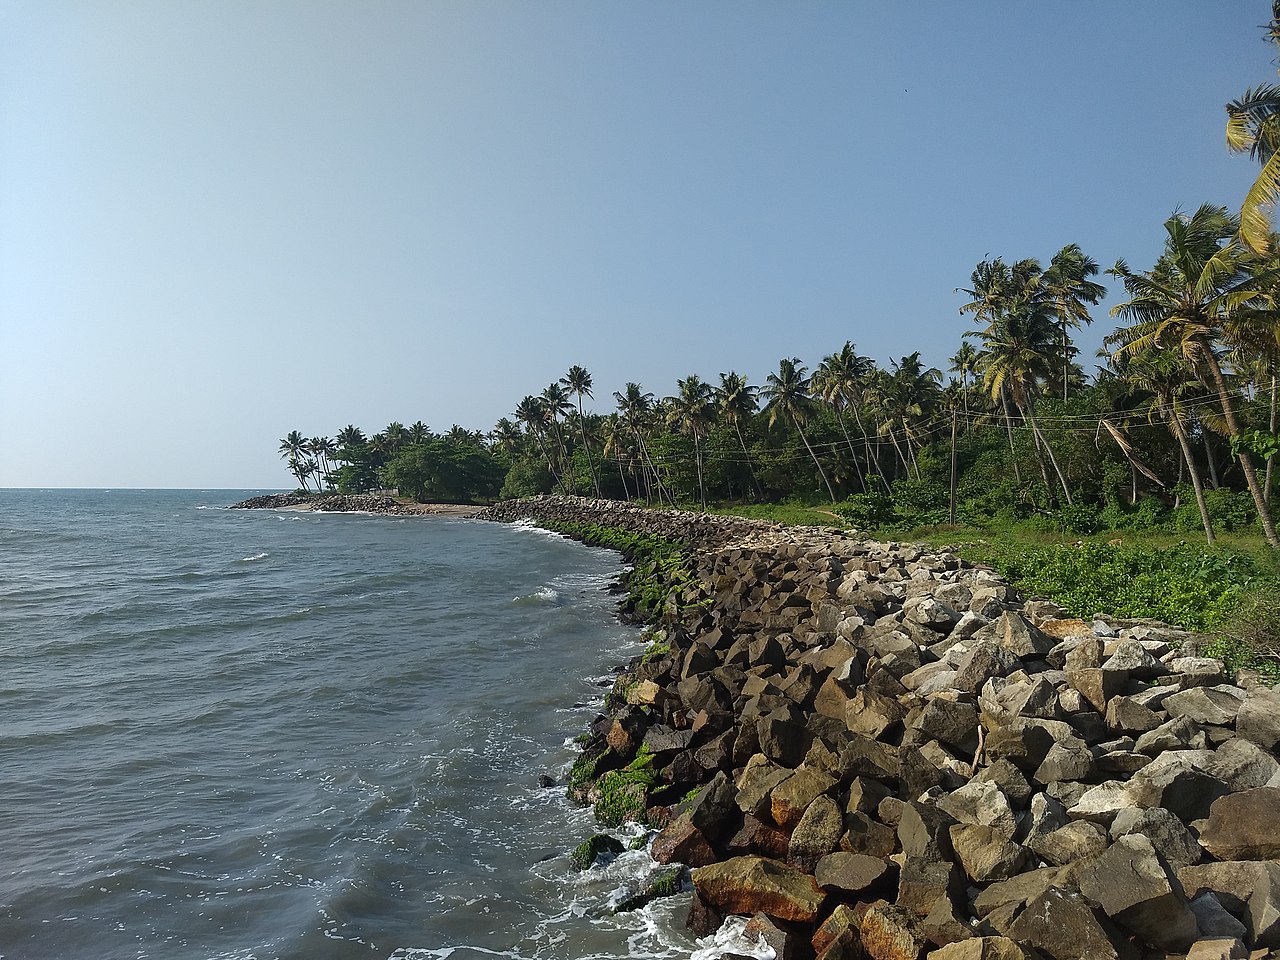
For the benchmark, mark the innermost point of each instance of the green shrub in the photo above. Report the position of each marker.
(1228, 510)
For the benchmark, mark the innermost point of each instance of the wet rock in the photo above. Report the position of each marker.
(595, 847)
(681, 842)
(750, 884)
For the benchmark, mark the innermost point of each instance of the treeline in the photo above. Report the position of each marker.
(1177, 429)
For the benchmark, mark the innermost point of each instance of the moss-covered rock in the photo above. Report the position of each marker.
(588, 851)
(664, 883)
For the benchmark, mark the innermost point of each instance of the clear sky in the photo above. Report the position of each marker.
(222, 221)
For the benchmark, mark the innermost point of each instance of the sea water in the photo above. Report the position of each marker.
(258, 734)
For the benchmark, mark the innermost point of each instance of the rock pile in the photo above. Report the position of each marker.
(331, 503)
(877, 750)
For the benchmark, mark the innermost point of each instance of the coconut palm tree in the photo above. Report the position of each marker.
(841, 380)
(736, 400)
(419, 433)
(293, 449)
(532, 412)
(1166, 380)
(965, 363)
(555, 401)
(506, 436)
(1070, 291)
(1018, 345)
(636, 408)
(787, 392)
(1205, 293)
(578, 382)
(321, 448)
(616, 436)
(1253, 127)
(351, 436)
(690, 411)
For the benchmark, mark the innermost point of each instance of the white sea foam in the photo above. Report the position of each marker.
(732, 938)
(257, 556)
(547, 595)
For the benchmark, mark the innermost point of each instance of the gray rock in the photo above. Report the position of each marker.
(981, 803)
(1258, 719)
(1213, 920)
(1073, 843)
(851, 873)
(1132, 657)
(951, 722)
(1062, 925)
(1068, 759)
(985, 853)
(985, 659)
(1243, 765)
(1180, 733)
(1102, 803)
(1249, 890)
(1176, 781)
(1168, 835)
(1216, 705)
(1133, 888)
(1129, 716)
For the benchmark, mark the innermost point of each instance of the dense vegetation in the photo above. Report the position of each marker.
(1176, 434)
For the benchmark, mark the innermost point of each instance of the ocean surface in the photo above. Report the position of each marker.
(259, 734)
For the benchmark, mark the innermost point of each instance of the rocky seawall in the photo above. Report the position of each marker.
(876, 750)
(352, 503)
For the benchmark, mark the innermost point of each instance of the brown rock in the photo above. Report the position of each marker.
(817, 833)
(790, 799)
(985, 853)
(851, 873)
(1244, 826)
(889, 932)
(982, 948)
(1060, 924)
(750, 884)
(681, 842)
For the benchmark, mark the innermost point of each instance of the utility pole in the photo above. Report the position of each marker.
(953, 466)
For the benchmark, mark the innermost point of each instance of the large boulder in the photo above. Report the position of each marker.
(1133, 887)
(1244, 826)
(751, 884)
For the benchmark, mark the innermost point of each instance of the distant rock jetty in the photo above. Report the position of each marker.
(353, 503)
(877, 750)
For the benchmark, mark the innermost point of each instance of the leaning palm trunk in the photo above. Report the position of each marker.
(1175, 424)
(1035, 428)
(822, 473)
(1250, 475)
(697, 462)
(862, 483)
(873, 454)
(750, 467)
(591, 463)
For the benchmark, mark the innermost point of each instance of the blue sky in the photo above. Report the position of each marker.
(221, 221)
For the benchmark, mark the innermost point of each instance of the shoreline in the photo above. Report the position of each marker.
(357, 503)
(877, 749)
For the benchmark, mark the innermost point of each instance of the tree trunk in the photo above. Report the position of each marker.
(1250, 475)
(1214, 480)
(697, 462)
(750, 467)
(1266, 484)
(582, 426)
(862, 483)
(1176, 426)
(1008, 425)
(822, 473)
(873, 453)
